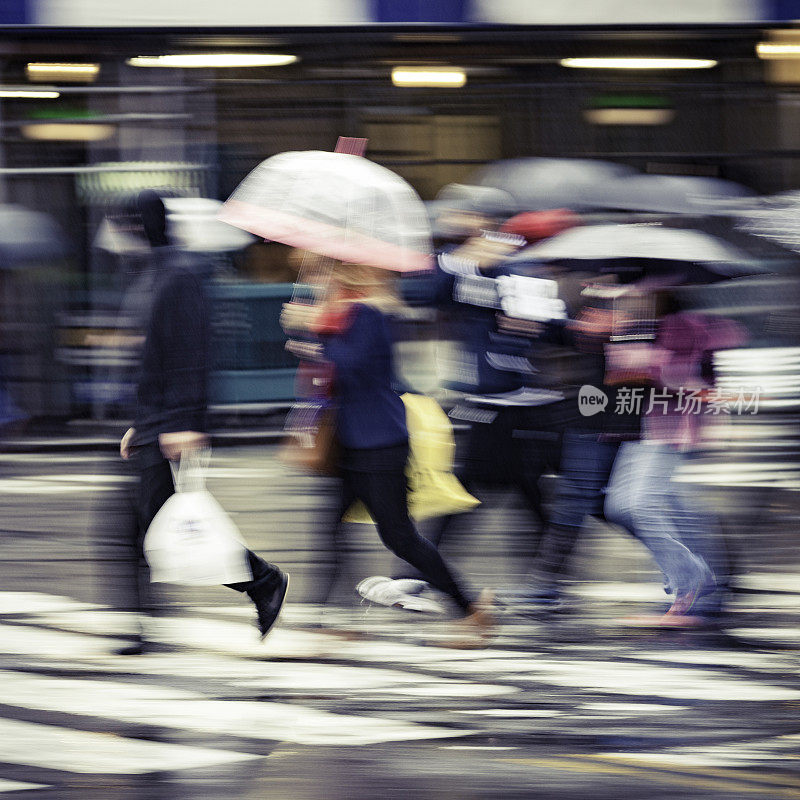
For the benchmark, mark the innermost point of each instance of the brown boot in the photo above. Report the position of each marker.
(476, 628)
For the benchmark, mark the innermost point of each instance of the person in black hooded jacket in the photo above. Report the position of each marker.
(172, 398)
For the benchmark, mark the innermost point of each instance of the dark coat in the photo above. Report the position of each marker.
(172, 392)
(370, 414)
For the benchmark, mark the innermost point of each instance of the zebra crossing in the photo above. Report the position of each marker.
(68, 707)
(71, 711)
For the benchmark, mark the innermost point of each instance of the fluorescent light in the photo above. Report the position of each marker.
(33, 94)
(452, 77)
(769, 50)
(195, 60)
(68, 132)
(45, 71)
(638, 63)
(629, 116)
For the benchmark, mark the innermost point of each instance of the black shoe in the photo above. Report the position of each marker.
(143, 647)
(269, 604)
(135, 649)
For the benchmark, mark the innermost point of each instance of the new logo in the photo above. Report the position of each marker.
(591, 400)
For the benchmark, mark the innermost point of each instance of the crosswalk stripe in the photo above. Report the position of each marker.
(327, 677)
(185, 710)
(19, 786)
(39, 603)
(34, 486)
(239, 639)
(234, 640)
(51, 747)
(18, 639)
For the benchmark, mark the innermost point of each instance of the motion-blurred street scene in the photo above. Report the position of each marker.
(459, 339)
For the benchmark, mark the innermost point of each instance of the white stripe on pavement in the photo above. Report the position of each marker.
(101, 622)
(36, 486)
(510, 713)
(235, 638)
(19, 786)
(39, 603)
(51, 747)
(18, 640)
(175, 708)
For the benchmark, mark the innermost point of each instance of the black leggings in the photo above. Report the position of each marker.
(377, 478)
(514, 449)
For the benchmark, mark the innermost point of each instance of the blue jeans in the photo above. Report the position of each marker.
(586, 463)
(643, 498)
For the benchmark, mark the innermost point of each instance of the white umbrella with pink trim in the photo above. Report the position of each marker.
(335, 204)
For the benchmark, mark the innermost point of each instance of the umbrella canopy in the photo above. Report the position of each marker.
(27, 236)
(667, 194)
(538, 184)
(338, 205)
(646, 242)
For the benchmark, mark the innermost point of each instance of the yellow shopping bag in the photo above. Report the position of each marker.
(433, 489)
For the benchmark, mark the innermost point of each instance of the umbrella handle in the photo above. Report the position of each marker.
(306, 289)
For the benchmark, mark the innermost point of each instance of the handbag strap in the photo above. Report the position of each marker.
(189, 474)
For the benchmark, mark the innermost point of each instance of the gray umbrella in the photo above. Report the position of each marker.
(538, 184)
(646, 243)
(27, 236)
(667, 194)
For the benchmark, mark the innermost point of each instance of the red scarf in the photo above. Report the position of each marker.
(335, 320)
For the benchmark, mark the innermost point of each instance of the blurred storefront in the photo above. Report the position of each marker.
(86, 121)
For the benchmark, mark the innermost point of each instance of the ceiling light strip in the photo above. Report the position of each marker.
(638, 63)
(452, 77)
(213, 60)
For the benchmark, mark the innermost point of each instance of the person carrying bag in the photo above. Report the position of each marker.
(353, 332)
(170, 423)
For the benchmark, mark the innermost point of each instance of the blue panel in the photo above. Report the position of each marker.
(240, 387)
(14, 12)
(783, 9)
(442, 11)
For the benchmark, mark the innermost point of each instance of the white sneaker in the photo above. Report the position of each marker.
(411, 585)
(386, 592)
(422, 605)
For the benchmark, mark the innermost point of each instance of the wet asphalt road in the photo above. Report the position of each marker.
(373, 704)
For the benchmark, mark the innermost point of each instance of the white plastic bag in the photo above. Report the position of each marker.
(191, 540)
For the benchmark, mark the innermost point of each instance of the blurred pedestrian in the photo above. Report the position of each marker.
(514, 429)
(589, 443)
(643, 495)
(353, 329)
(619, 463)
(171, 419)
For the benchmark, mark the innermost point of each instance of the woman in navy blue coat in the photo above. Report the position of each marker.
(354, 334)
